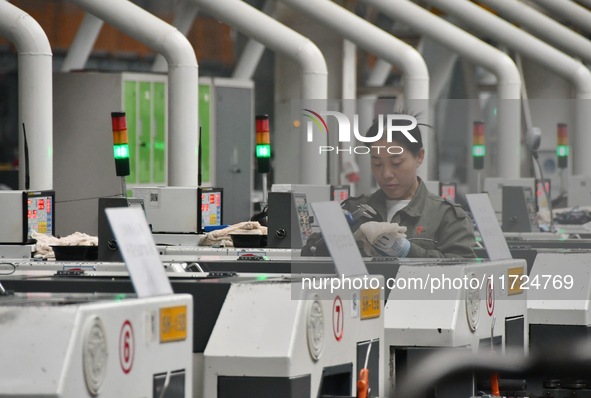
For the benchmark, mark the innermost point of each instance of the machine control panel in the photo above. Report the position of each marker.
(23, 212)
(304, 218)
(290, 222)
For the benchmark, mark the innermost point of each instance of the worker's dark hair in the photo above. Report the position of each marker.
(397, 136)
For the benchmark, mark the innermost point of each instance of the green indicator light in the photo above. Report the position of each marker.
(562, 150)
(120, 297)
(262, 278)
(478, 151)
(121, 151)
(263, 151)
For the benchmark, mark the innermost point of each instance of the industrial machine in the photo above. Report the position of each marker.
(23, 212)
(108, 250)
(559, 310)
(290, 220)
(446, 190)
(297, 344)
(316, 193)
(304, 343)
(579, 191)
(519, 210)
(181, 209)
(83, 145)
(465, 305)
(96, 345)
(494, 188)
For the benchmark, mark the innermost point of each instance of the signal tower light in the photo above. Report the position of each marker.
(263, 144)
(120, 143)
(478, 146)
(562, 146)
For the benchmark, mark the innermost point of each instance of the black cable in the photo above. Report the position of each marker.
(27, 176)
(117, 195)
(548, 199)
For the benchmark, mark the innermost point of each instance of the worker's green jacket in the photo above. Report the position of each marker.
(435, 226)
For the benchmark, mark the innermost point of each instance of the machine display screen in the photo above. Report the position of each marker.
(40, 212)
(211, 207)
(448, 191)
(541, 197)
(340, 193)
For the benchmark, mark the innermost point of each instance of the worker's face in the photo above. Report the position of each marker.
(396, 174)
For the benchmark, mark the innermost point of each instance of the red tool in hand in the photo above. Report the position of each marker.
(363, 387)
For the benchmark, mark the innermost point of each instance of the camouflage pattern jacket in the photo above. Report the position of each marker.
(435, 226)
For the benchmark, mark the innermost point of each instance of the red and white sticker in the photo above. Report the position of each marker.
(126, 347)
(490, 297)
(338, 318)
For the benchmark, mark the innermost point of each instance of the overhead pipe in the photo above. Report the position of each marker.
(373, 39)
(253, 51)
(183, 126)
(586, 3)
(531, 47)
(83, 43)
(301, 50)
(376, 78)
(480, 53)
(184, 15)
(569, 10)
(543, 26)
(35, 102)
(276, 36)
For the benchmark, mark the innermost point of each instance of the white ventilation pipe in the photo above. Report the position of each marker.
(183, 126)
(276, 36)
(569, 10)
(586, 3)
(253, 51)
(35, 106)
(480, 53)
(543, 26)
(533, 48)
(184, 15)
(83, 43)
(293, 45)
(373, 39)
(385, 46)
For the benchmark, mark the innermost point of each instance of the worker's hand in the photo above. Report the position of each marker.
(386, 239)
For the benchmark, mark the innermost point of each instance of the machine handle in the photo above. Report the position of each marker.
(363, 384)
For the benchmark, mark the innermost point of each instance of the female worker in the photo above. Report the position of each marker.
(435, 227)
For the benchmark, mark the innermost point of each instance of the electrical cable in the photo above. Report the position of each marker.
(165, 386)
(117, 195)
(548, 199)
(27, 176)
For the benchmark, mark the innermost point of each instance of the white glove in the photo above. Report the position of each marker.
(386, 239)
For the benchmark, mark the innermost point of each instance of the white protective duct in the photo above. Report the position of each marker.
(282, 39)
(569, 10)
(83, 43)
(184, 15)
(531, 47)
(253, 51)
(385, 46)
(543, 26)
(183, 126)
(35, 102)
(480, 53)
(586, 3)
